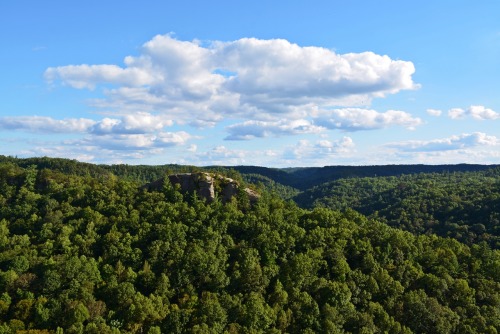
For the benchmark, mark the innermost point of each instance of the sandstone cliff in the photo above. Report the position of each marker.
(207, 186)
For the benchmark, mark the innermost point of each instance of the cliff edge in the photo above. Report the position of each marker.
(207, 186)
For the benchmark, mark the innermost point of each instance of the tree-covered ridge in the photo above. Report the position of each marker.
(305, 178)
(102, 255)
(464, 206)
(138, 173)
(302, 178)
(268, 184)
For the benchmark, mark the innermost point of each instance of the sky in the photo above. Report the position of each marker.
(268, 83)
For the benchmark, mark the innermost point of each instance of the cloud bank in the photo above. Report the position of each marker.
(260, 129)
(249, 78)
(458, 142)
(475, 111)
(321, 151)
(41, 124)
(356, 119)
(130, 132)
(257, 88)
(250, 88)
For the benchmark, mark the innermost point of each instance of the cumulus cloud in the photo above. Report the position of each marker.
(165, 139)
(458, 142)
(355, 119)
(259, 129)
(226, 156)
(130, 124)
(136, 141)
(138, 123)
(475, 111)
(345, 145)
(221, 155)
(140, 131)
(322, 150)
(482, 113)
(456, 113)
(248, 79)
(434, 112)
(253, 88)
(278, 68)
(88, 76)
(42, 124)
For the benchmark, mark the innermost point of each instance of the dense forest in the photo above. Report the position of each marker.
(87, 249)
(461, 205)
(308, 177)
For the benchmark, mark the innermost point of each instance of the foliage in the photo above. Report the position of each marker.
(464, 206)
(81, 253)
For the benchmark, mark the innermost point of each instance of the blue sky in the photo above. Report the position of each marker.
(270, 83)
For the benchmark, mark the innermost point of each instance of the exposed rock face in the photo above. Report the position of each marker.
(201, 183)
(204, 185)
(229, 190)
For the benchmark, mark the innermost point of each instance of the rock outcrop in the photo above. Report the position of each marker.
(201, 183)
(206, 186)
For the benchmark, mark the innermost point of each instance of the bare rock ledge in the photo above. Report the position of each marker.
(207, 186)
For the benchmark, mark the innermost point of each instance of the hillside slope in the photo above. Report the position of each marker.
(104, 255)
(464, 206)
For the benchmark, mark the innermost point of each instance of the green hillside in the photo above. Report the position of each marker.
(308, 177)
(87, 251)
(461, 205)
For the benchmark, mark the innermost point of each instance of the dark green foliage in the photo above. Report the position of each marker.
(97, 253)
(265, 183)
(464, 206)
(308, 177)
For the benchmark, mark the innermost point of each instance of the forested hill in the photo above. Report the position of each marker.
(461, 205)
(139, 173)
(308, 177)
(86, 251)
(300, 179)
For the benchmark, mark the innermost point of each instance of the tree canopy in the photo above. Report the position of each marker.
(97, 253)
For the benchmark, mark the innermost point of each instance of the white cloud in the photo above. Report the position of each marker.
(113, 148)
(143, 141)
(254, 88)
(225, 156)
(165, 139)
(88, 76)
(434, 112)
(119, 142)
(345, 145)
(472, 155)
(456, 113)
(280, 69)
(482, 113)
(42, 124)
(476, 112)
(259, 129)
(320, 152)
(458, 142)
(202, 123)
(221, 155)
(131, 124)
(139, 132)
(138, 123)
(355, 119)
(248, 78)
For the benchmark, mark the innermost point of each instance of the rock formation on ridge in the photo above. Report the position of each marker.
(207, 186)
